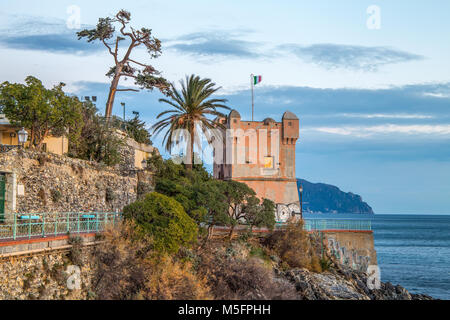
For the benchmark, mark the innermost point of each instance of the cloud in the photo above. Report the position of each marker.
(49, 35)
(387, 129)
(216, 43)
(57, 43)
(386, 116)
(352, 57)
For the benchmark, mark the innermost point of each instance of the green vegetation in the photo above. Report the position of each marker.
(98, 141)
(190, 109)
(211, 201)
(43, 111)
(56, 195)
(136, 130)
(165, 220)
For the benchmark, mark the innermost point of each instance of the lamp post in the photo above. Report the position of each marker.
(22, 136)
(301, 201)
(123, 105)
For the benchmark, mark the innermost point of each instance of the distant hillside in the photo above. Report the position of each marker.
(325, 198)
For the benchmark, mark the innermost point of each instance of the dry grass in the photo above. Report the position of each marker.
(232, 278)
(295, 247)
(126, 267)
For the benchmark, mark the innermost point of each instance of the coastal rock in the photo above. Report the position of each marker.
(342, 283)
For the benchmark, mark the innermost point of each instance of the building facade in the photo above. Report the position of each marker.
(9, 137)
(262, 155)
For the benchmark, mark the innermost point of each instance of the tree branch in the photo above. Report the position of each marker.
(134, 90)
(122, 30)
(138, 63)
(109, 48)
(128, 75)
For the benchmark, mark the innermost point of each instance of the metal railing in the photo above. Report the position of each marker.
(338, 224)
(41, 225)
(334, 224)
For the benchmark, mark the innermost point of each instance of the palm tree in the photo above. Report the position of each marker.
(190, 109)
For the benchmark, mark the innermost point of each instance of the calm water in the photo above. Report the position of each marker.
(413, 251)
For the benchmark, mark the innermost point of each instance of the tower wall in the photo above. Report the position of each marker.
(262, 155)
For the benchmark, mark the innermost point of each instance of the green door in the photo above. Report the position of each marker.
(2, 196)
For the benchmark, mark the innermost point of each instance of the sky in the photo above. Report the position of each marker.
(369, 80)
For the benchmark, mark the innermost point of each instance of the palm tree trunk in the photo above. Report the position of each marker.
(190, 153)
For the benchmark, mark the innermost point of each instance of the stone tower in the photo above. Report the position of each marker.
(262, 155)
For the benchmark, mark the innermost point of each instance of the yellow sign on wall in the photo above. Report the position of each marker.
(268, 162)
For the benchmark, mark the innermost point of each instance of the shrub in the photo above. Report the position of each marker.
(143, 188)
(110, 195)
(293, 246)
(76, 253)
(173, 280)
(119, 264)
(165, 220)
(126, 267)
(56, 195)
(243, 279)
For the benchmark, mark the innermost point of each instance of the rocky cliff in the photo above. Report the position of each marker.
(325, 198)
(341, 283)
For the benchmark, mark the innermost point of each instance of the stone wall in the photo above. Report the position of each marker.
(353, 249)
(41, 182)
(45, 277)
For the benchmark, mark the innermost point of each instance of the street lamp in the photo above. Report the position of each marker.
(123, 105)
(22, 136)
(301, 201)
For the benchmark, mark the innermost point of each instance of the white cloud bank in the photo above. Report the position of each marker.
(369, 131)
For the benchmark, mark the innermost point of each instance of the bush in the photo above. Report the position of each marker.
(143, 188)
(126, 267)
(293, 246)
(110, 194)
(165, 220)
(243, 279)
(173, 280)
(119, 264)
(76, 252)
(56, 195)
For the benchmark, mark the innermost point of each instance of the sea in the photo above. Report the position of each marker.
(413, 250)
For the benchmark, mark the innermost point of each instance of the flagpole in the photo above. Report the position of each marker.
(252, 83)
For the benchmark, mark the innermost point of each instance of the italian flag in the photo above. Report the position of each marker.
(257, 80)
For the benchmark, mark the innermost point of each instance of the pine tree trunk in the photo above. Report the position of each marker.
(112, 93)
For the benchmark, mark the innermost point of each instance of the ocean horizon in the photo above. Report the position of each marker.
(413, 250)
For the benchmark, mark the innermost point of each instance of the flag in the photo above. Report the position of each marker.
(257, 80)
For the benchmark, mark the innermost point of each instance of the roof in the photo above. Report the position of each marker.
(289, 116)
(234, 114)
(268, 120)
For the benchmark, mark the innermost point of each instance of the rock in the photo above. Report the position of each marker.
(342, 283)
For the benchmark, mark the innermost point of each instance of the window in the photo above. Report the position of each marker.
(268, 162)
